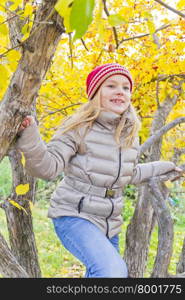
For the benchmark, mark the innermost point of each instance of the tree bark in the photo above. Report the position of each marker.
(181, 262)
(20, 227)
(165, 230)
(37, 54)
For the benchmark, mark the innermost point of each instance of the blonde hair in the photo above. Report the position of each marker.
(87, 113)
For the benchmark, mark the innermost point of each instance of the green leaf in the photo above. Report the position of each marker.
(81, 16)
(116, 20)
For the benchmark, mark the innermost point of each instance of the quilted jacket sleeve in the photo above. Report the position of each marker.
(43, 160)
(144, 171)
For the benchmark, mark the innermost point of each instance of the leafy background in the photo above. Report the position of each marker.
(149, 40)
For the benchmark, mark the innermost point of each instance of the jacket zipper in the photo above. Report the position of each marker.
(80, 204)
(119, 169)
(107, 233)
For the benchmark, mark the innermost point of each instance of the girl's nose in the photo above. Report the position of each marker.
(119, 91)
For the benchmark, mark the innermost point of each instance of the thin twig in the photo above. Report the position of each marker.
(145, 34)
(84, 44)
(171, 8)
(60, 110)
(113, 28)
(71, 49)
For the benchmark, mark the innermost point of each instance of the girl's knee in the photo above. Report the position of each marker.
(112, 269)
(119, 270)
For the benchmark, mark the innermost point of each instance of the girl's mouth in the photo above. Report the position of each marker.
(117, 101)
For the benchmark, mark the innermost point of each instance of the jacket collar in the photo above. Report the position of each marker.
(110, 119)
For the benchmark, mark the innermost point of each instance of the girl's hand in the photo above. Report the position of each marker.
(177, 169)
(28, 120)
(181, 173)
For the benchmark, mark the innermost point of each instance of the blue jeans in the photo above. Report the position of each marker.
(87, 242)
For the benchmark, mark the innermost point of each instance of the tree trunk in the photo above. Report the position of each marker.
(137, 232)
(37, 53)
(20, 227)
(140, 228)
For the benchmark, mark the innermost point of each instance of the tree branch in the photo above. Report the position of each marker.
(155, 137)
(37, 54)
(171, 8)
(165, 225)
(83, 43)
(177, 153)
(9, 266)
(145, 34)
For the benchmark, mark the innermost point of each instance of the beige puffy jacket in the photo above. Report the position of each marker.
(93, 181)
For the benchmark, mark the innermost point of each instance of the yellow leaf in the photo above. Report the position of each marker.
(23, 160)
(169, 184)
(28, 9)
(22, 189)
(183, 184)
(63, 7)
(13, 57)
(31, 205)
(151, 26)
(4, 29)
(4, 78)
(15, 4)
(100, 23)
(180, 4)
(25, 29)
(14, 203)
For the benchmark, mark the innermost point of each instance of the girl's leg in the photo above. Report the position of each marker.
(115, 242)
(86, 241)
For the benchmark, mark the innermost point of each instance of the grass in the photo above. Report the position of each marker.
(5, 178)
(55, 260)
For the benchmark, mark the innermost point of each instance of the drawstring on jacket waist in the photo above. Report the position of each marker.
(92, 189)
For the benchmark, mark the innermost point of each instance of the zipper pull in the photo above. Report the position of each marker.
(80, 204)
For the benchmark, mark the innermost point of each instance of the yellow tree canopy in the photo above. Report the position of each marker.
(144, 36)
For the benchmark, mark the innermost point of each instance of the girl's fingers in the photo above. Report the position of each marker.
(28, 120)
(179, 170)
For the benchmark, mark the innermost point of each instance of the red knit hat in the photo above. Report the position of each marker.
(98, 75)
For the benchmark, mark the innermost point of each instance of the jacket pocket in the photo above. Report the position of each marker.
(80, 204)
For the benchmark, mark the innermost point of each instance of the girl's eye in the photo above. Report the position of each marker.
(126, 88)
(110, 85)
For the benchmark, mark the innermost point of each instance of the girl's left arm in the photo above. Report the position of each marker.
(143, 172)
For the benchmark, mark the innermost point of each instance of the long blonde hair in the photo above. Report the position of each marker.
(87, 113)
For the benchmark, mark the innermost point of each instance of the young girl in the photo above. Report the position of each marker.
(97, 149)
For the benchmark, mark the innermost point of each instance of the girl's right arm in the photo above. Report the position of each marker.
(43, 160)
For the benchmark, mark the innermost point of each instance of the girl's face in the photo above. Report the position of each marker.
(115, 94)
